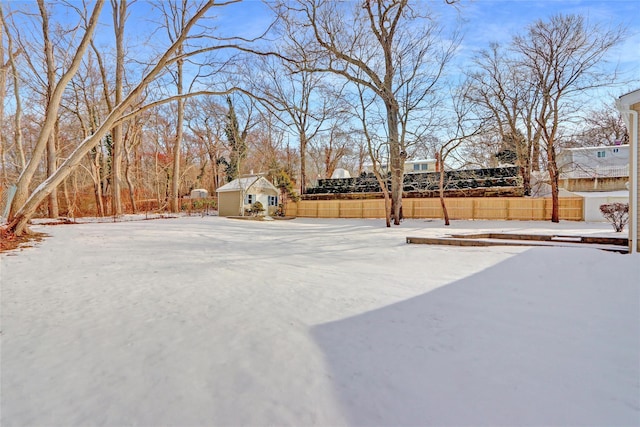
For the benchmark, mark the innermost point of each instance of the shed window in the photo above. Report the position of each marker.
(425, 166)
(273, 200)
(601, 153)
(249, 199)
(416, 167)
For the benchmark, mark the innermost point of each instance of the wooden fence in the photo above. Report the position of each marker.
(496, 208)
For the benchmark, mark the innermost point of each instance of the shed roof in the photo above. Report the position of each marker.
(253, 182)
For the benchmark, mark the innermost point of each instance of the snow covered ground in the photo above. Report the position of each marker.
(207, 321)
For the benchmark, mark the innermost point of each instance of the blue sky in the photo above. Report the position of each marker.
(488, 21)
(485, 21)
(498, 20)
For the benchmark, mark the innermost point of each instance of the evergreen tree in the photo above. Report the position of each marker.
(236, 143)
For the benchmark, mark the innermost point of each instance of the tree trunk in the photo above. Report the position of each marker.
(387, 208)
(445, 212)
(553, 178)
(177, 147)
(51, 76)
(127, 174)
(51, 167)
(396, 161)
(303, 162)
(116, 162)
(119, 17)
(525, 172)
(535, 156)
(388, 204)
(3, 92)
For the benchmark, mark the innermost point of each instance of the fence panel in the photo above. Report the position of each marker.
(571, 208)
(308, 208)
(426, 208)
(291, 208)
(373, 208)
(488, 208)
(328, 209)
(351, 209)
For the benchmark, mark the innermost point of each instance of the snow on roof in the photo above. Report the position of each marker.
(596, 148)
(596, 194)
(244, 183)
(410, 162)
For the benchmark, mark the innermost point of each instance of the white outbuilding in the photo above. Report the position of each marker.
(240, 194)
(199, 193)
(340, 173)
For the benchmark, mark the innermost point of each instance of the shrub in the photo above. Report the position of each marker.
(617, 214)
(257, 208)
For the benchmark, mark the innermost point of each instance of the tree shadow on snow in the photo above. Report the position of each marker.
(515, 344)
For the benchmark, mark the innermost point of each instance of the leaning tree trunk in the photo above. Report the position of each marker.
(18, 215)
(26, 209)
(51, 76)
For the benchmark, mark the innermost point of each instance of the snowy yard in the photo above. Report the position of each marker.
(216, 322)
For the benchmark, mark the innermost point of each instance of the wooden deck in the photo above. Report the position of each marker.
(613, 244)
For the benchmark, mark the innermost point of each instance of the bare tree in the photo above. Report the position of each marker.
(388, 47)
(119, 11)
(51, 76)
(463, 125)
(24, 205)
(3, 93)
(563, 56)
(502, 88)
(329, 149)
(51, 116)
(205, 120)
(11, 65)
(295, 96)
(175, 15)
(603, 126)
(375, 147)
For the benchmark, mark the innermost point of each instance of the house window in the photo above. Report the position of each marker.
(601, 154)
(425, 167)
(249, 199)
(273, 200)
(416, 167)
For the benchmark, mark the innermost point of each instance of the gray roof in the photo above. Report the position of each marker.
(254, 182)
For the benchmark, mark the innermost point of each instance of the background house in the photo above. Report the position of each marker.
(420, 165)
(238, 195)
(603, 168)
(410, 166)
